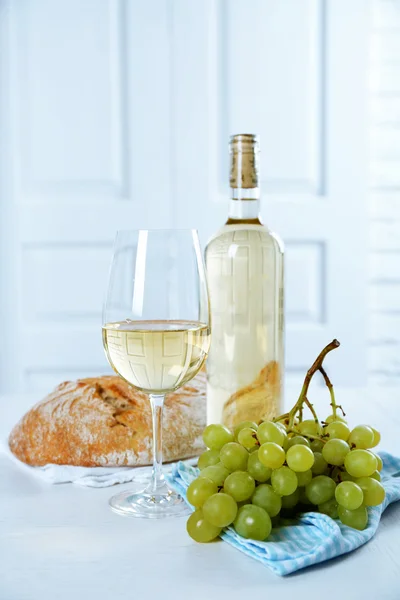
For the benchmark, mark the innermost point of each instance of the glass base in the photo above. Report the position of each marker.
(146, 505)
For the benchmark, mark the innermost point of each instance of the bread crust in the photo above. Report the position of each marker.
(102, 421)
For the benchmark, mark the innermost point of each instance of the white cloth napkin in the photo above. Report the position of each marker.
(85, 476)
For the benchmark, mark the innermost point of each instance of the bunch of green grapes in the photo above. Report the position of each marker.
(260, 472)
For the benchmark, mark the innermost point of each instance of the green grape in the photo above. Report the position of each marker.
(335, 451)
(309, 427)
(240, 485)
(282, 426)
(303, 497)
(304, 478)
(332, 418)
(201, 530)
(316, 445)
(360, 463)
(269, 500)
(330, 508)
(296, 440)
(271, 432)
(320, 465)
(243, 425)
(276, 521)
(271, 455)
(349, 495)
(199, 490)
(208, 458)
(361, 437)
(292, 500)
(379, 460)
(254, 449)
(252, 522)
(357, 518)
(257, 470)
(234, 457)
(377, 437)
(247, 438)
(217, 473)
(374, 492)
(339, 475)
(376, 475)
(320, 489)
(300, 458)
(215, 436)
(284, 481)
(220, 510)
(337, 430)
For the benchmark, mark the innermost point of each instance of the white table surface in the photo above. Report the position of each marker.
(61, 542)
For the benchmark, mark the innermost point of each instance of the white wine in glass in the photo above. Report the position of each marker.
(156, 334)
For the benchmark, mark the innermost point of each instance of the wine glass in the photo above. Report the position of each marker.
(156, 335)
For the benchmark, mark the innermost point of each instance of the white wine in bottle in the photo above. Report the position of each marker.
(244, 262)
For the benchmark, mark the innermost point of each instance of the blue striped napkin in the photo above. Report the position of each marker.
(310, 539)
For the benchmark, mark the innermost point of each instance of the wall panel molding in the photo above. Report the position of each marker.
(306, 282)
(64, 283)
(70, 62)
(285, 104)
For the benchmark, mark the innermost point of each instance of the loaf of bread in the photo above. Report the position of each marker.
(104, 422)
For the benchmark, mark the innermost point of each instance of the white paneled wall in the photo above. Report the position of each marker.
(116, 114)
(295, 71)
(384, 269)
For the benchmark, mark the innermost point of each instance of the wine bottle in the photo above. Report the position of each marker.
(244, 262)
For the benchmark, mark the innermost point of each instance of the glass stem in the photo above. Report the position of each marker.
(157, 483)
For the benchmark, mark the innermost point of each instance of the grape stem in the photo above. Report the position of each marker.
(311, 407)
(316, 366)
(331, 391)
(281, 417)
(306, 435)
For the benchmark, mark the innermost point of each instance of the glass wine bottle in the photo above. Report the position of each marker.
(244, 262)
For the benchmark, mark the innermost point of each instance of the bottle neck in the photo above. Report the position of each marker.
(244, 210)
(244, 206)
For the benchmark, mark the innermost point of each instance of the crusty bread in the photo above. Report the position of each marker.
(102, 421)
(258, 401)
